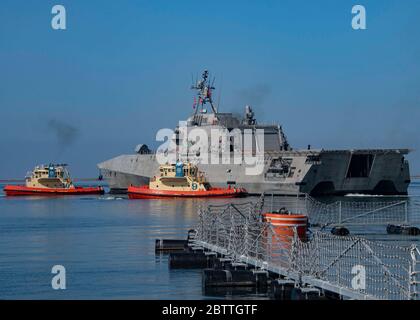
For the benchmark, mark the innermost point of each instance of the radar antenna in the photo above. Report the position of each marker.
(204, 92)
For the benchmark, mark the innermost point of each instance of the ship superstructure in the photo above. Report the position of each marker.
(49, 176)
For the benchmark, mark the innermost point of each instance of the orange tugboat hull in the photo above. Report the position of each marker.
(144, 192)
(12, 190)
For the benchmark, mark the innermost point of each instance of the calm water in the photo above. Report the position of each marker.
(106, 244)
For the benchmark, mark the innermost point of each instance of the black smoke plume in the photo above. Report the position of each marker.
(65, 133)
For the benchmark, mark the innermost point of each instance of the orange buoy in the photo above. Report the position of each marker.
(284, 225)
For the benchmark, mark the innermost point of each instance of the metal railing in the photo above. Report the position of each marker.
(353, 267)
(406, 211)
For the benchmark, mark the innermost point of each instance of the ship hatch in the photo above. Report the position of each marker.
(360, 165)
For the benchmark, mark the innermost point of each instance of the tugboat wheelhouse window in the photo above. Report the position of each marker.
(360, 165)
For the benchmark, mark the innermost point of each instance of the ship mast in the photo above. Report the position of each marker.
(204, 92)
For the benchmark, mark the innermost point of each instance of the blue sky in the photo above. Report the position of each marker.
(122, 70)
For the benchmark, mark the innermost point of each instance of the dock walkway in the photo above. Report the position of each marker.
(351, 267)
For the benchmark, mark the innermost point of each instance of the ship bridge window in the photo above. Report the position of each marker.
(360, 165)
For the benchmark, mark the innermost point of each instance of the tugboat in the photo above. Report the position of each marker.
(53, 179)
(179, 180)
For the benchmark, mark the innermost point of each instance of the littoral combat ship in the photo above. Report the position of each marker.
(285, 171)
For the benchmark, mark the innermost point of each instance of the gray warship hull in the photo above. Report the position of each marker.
(324, 172)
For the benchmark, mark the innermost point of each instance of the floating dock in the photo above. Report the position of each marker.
(236, 245)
